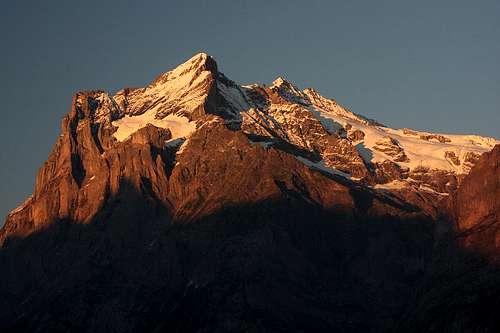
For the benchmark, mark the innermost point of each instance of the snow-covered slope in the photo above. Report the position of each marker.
(179, 126)
(433, 150)
(174, 100)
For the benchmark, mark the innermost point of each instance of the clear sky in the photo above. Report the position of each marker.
(431, 65)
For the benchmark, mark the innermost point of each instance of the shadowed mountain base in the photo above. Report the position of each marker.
(276, 265)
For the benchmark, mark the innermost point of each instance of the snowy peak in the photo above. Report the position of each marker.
(193, 67)
(280, 82)
(185, 98)
(175, 98)
(288, 91)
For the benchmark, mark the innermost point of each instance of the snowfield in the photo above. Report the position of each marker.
(178, 125)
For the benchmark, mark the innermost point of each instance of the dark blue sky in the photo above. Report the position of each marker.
(423, 64)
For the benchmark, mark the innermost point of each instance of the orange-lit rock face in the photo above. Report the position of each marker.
(477, 204)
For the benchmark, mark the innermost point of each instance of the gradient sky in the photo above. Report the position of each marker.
(431, 65)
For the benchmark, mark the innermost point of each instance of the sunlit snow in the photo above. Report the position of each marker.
(179, 126)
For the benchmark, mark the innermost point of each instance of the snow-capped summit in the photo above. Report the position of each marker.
(189, 69)
(173, 100)
(288, 91)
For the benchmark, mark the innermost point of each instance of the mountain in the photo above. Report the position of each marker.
(197, 204)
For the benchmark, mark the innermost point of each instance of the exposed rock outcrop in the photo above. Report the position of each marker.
(437, 137)
(476, 205)
(391, 147)
(452, 157)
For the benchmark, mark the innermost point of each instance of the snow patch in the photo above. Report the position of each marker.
(394, 185)
(178, 125)
(402, 184)
(321, 166)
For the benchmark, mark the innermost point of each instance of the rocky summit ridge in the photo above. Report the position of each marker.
(199, 204)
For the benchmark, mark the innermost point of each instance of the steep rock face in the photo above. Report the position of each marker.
(476, 205)
(87, 167)
(60, 190)
(388, 171)
(461, 292)
(391, 147)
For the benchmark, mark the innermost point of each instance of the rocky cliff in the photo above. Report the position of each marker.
(476, 205)
(460, 291)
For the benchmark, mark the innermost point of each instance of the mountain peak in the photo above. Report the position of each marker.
(192, 67)
(279, 81)
(199, 60)
(287, 90)
(172, 100)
